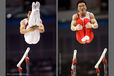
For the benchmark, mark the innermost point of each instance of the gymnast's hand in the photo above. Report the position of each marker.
(79, 27)
(73, 28)
(35, 27)
(89, 25)
(39, 28)
(31, 29)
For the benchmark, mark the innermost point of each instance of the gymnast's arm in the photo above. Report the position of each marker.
(22, 28)
(73, 22)
(93, 21)
(41, 28)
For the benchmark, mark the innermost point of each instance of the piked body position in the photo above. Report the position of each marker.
(83, 22)
(32, 26)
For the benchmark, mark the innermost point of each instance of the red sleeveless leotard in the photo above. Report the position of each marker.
(85, 31)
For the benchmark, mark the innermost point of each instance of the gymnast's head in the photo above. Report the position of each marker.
(28, 11)
(81, 6)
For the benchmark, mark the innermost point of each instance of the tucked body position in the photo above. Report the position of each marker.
(83, 22)
(32, 26)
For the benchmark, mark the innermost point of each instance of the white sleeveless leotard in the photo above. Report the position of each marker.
(31, 37)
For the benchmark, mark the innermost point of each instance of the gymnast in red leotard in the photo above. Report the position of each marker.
(83, 22)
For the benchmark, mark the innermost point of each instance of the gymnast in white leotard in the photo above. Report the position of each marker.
(32, 26)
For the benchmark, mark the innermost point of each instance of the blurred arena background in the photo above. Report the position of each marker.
(43, 55)
(88, 54)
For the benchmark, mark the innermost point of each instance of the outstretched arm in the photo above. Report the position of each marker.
(93, 21)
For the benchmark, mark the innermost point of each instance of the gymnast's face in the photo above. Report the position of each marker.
(82, 7)
(28, 14)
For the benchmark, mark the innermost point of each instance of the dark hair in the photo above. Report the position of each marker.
(28, 9)
(81, 1)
